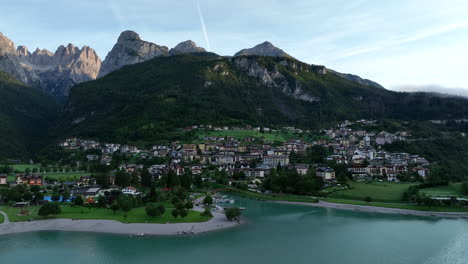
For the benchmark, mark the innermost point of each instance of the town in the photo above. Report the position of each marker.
(248, 160)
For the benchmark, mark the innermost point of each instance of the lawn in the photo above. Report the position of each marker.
(400, 206)
(23, 167)
(378, 191)
(281, 136)
(59, 175)
(136, 215)
(1, 219)
(272, 197)
(454, 189)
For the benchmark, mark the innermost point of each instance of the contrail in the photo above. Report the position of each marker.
(202, 21)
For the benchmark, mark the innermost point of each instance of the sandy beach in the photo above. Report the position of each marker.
(218, 222)
(383, 210)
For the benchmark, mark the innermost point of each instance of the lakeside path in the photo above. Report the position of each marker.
(382, 210)
(218, 222)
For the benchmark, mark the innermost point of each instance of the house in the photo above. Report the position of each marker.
(3, 179)
(274, 160)
(129, 190)
(254, 173)
(30, 179)
(423, 172)
(85, 180)
(196, 169)
(302, 169)
(326, 173)
(85, 191)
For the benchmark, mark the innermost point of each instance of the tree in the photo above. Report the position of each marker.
(145, 177)
(55, 197)
(464, 188)
(78, 200)
(197, 181)
(38, 197)
(368, 199)
(207, 213)
(153, 196)
(49, 209)
(208, 200)
(161, 208)
(183, 213)
(189, 205)
(175, 213)
(65, 195)
(152, 210)
(114, 207)
(233, 213)
(186, 180)
(27, 196)
(122, 178)
(125, 204)
(102, 201)
(35, 188)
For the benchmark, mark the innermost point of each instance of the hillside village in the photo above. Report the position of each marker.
(254, 157)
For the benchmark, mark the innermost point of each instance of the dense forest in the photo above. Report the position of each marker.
(25, 116)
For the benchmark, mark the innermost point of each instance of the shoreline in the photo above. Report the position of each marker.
(380, 210)
(218, 222)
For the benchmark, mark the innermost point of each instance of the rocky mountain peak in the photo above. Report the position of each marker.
(130, 49)
(6, 45)
(128, 35)
(55, 73)
(263, 49)
(22, 51)
(187, 46)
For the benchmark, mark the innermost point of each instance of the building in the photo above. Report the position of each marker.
(274, 160)
(3, 179)
(326, 173)
(129, 190)
(30, 179)
(302, 169)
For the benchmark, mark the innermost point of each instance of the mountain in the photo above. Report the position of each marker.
(130, 49)
(54, 73)
(149, 100)
(186, 47)
(263, 49)
(25, 115)
(358, 79)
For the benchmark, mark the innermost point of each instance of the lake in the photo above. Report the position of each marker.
(275, 233)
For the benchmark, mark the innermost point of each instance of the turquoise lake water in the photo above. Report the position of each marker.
(275, 233)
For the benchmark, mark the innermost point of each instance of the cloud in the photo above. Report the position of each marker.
(434, 88)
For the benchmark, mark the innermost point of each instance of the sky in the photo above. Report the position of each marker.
(405, 45)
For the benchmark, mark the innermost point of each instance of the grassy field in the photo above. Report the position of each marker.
(378, 191)
(23, 167)
(399, 206)
(56, 175)
(272, 197)
(1, 219)
(454, 189)
(241, 134)
(136, 215)
(59, 175)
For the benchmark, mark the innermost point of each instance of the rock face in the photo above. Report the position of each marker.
(275, 78)
(130, 49)
(186, 47)
(55, 73)
(264, 49)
